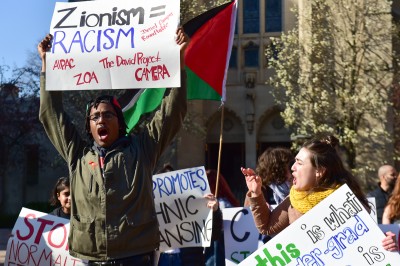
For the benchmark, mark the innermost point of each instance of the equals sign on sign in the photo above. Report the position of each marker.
(157, 11)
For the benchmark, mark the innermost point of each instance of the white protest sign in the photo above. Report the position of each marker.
(338, 231)
(118, 44)
(182, 212)
(372, 205)
(241, 236)
(39, 239)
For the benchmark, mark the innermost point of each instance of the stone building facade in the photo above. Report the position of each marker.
(251, 118)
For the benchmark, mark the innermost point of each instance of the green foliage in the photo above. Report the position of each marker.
(333, 74)
(191, 9)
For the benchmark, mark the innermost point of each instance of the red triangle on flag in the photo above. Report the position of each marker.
(208, 53)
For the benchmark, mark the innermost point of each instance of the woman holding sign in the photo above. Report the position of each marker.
(317, 172)
(113, 218)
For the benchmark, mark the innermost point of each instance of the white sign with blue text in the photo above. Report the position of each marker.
(338, 231)
(182, 212)
(118, 44)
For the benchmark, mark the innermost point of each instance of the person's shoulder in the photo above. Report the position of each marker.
(56, 211)
(375, 192)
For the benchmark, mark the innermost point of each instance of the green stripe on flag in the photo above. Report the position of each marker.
(198, 89)
(148, 101)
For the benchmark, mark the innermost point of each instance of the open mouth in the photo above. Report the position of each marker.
(103, 133)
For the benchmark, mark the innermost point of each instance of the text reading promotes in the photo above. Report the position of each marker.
(181, 209)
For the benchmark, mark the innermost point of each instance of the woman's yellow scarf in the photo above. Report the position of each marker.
(303, 201)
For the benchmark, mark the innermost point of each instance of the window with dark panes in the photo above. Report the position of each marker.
(251, 55)
(237, 22)
(273, 15)
(233, 59)
(251, 16)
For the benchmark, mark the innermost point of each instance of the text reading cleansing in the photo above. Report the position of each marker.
(178, 207)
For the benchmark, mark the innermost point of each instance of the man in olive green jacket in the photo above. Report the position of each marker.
(113, 215)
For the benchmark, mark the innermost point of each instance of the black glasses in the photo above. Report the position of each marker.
(105, 115)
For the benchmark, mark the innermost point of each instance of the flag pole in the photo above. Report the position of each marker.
(220, 149)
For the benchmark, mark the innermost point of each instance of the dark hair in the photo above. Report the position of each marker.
(224, 191)
(61, 184)
(325, 157)
(394, 202)
(273, 165)
(166, 168)
(117, 108)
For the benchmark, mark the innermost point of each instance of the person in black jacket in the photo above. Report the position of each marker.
(387, 179)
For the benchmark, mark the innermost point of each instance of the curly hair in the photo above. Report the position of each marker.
(394, 202)
(117, 108)
(273, 165)
(325, 156)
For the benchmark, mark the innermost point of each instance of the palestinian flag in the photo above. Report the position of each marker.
(144, 101)
(206, 58)
(208, 53)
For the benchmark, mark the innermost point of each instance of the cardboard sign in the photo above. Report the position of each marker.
(338, 231)
(117, 44)
(241, 236)
(39, 239)
(182, 212)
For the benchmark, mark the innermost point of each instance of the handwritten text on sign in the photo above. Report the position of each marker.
(39, 239)
(113, 45)
(338, 231)
(182, 211)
